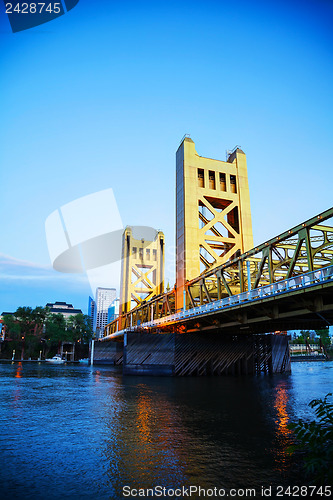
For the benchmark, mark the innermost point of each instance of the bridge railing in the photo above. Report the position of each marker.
(304, 347)
(303, 281)
(269, 268)
(302, 249)
(299, 282)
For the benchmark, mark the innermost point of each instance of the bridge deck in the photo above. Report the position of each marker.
(294, 303)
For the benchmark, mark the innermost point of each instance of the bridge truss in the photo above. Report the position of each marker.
(279, 263)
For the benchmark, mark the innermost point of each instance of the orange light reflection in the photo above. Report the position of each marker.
(97, 376)
(283, 457)
(18, 373)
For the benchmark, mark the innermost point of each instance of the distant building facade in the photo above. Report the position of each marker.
(63, 308)
(2, 328)
(92, 312)
(113, 311)
(104, 298)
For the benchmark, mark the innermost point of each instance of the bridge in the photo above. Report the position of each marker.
(218, 321)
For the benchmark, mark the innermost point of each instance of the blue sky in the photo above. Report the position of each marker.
(101, 97)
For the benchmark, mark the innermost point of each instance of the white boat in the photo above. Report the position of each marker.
(56, 359)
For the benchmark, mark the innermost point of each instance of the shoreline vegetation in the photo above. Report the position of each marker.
(37, 334)
(314, 442)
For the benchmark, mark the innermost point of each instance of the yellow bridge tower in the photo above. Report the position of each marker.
(213, 214)
(142, 271)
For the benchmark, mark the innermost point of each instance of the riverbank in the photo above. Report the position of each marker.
(308, 357)
(10, 361)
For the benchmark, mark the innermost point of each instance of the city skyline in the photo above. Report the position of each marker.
(96, 102)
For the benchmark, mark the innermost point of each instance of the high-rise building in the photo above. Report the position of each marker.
(113, 311)
(92, 311)
(104, 298)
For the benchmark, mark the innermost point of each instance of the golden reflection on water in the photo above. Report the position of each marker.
(145, 447)
(152, 416)
(97, 376)
(17, 392)
(144, 411)
(154, 428)
(282, 455)
(18, 373)
(282, 419)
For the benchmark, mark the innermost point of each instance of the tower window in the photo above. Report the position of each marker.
(233, 185)
(212, 180)
(223, 186)
(201, 178)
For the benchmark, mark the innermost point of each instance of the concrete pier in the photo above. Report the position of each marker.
(204, 354)
(108, 353)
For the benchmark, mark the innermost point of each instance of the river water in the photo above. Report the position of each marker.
(84, 432)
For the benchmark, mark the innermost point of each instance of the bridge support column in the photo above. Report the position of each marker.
(205, 354)
(108, 353)
(149, 354)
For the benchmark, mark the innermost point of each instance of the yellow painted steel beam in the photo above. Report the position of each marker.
(214, 228)
(213, 212)
(225, 280)
(142, 273)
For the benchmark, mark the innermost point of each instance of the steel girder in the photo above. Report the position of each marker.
(304, 248)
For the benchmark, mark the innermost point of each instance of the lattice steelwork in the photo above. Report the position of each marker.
(214, 259)
(142, 273)
(213, 212)
(305, 248)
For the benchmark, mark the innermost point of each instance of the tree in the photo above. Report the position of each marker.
(40, 315)
(315, 440)
(28, 328)
(324, 335)
(80, 327)
(56, 328)
(25, 328)
(302, 337)
(12, 326)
